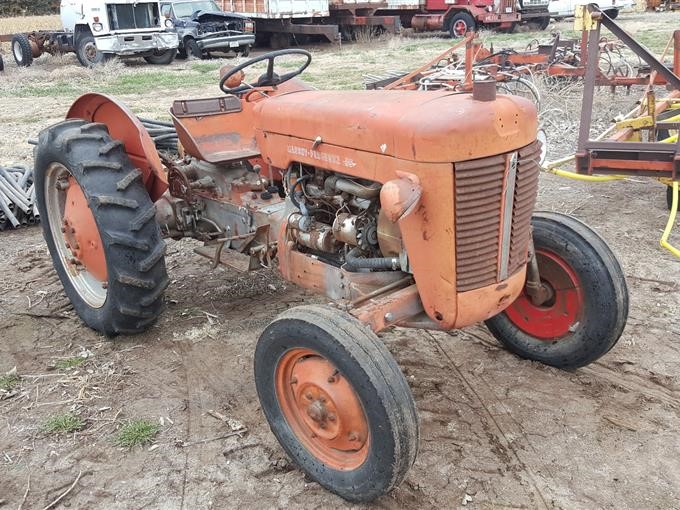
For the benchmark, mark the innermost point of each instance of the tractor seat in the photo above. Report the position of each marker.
(424, 126)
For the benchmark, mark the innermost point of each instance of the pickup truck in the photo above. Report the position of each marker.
(560, 9)
(203, 27)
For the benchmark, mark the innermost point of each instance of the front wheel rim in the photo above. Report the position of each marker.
(560, 316)
(322, 409)
(75, 235)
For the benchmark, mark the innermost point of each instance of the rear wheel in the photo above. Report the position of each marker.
(588, 308)
(21, 50)
(461, 23)
(87, 52)
(337, 402)
(161, 58)
(99, 225)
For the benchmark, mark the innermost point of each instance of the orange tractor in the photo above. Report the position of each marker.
(405, 208)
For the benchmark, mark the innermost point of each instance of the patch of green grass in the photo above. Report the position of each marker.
(63, 423)
(137, 433)
(8, 382)
(205, 67)
(69, 363)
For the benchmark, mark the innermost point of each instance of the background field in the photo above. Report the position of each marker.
(496, 431)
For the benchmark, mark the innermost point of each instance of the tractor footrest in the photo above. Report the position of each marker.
(230, 258)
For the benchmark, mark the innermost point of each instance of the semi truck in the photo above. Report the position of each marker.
(282, 22)
(97, 30)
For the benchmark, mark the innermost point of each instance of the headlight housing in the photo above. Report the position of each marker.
(97, 27)
(168, 23)
(249, 26)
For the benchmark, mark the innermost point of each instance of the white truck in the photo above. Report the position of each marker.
(560, 9)
(97, 30)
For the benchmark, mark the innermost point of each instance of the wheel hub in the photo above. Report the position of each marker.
(91, 52)
(561, 313)
(81, 233)
(322, 409)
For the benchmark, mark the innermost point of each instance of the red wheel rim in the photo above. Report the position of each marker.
(559, 316)
(322, 409)
(460, 28)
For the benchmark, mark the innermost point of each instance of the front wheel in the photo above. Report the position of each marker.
(161, 58)
(588, 305)
(87, 52)
(336, 401)
(99, 225)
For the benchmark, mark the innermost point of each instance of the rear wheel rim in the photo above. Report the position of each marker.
(322, 409)
(559, 316)
(75, 234)
(18, 52)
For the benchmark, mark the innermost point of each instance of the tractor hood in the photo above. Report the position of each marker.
(423, 126)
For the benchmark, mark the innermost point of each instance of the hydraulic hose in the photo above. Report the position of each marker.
(353, 262)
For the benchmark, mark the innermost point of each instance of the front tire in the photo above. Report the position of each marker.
(87, 52)
(587, 313)
(336, 401)
(192, 49)
(99, 225)
(161, 58)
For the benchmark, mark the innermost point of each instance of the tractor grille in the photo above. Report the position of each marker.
(480, 183)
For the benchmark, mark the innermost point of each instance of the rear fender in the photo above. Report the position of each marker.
(124, 125)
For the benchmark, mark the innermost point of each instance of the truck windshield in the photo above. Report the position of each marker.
(186, 9)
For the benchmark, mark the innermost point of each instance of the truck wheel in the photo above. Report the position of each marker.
(99, 225)
(589, 307)
(460, 24)
(336, 401)
(2, 64)
(87, 52)
(612, 13)
(161, 58)
(22, 51)
(245, 51)
(192, 49)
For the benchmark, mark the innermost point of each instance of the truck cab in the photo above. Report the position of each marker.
(98, 30)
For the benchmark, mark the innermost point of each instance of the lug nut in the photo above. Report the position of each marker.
(331, 417)
(308, 396)
(352, 436)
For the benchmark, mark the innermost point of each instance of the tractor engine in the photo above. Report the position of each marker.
(333, 217)
(339, 220)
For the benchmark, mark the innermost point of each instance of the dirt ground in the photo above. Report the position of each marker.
(496, 431)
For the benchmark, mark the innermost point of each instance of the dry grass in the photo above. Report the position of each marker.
(29, 23)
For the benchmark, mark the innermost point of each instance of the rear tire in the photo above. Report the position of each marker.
(460, 24)
(161, 58)
(114, 272)
(336, 401)
(586, 317)
(22, 51)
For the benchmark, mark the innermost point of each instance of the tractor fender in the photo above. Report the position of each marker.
(124, 126)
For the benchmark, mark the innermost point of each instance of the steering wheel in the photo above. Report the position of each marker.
(270, 78)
